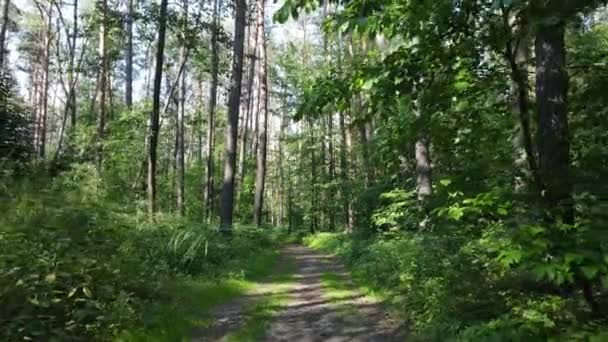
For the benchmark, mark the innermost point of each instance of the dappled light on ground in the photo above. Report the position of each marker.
(317, 303)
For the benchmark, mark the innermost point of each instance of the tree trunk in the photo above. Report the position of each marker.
(45, 82)
(3, 29)
(208, 195)
(345, 188)
(103, 74)
(179, 132)
(260, 175)
(517, 56)
(227, 200)
(424, 187)
(129, 57)
(424, 184)
(553, 132)
(313, 175)
(72, 94)
(154, 115)
(248, 116)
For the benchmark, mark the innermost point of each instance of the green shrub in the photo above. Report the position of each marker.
(74, 266)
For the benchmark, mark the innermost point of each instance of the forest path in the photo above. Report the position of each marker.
(310, 298)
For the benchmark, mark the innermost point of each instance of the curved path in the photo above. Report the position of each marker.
(320, 304)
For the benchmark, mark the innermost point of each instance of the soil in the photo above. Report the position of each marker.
(310, 314)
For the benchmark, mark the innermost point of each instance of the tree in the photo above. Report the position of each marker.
(129, 56)
(103, 80)
(155, 113)
(3, 29)
(227, 197)
(208, 194)
(553, 133)
(179, 126)
(260, 178)
(45, 13)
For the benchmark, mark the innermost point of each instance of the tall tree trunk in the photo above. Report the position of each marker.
(260, 175)
(208, 195)
(3, 30)
(179, 134)
(227, 200)
(46, 80)
(72, 77)
(129, 57)
(553, 139)
(345, 188)
(199, 126)
(103, 77)
(424, 184)
(517, 56)
(313, 175)
(250, 78)
(553, 134)
(154, 115)
(281, 166)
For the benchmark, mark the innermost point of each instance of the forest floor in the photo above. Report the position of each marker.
(309, 297)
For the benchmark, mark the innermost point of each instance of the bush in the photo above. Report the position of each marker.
(75, 267)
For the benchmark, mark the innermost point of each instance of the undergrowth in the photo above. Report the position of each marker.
(75, 266)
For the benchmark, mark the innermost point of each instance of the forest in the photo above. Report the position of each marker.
(303, 170)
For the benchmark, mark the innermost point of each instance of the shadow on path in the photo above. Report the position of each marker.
(313, 310)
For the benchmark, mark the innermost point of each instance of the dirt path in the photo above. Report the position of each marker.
(320, 305)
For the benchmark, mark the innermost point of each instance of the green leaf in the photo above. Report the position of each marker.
(50, 278)
(590, 271)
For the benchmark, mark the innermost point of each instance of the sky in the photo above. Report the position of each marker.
(291, 31)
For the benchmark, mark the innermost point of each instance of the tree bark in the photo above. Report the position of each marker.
(424, 183)
(248, 116)
(154, 115)
(260, 175)
(208, 195)
(46, 80)
(103, 76)
(227, 198)
(3, 30)
(129, 57)
(72, 95)
(517, 57)
(553, 131)
(345, 188)
(179, 133)
(424, 187)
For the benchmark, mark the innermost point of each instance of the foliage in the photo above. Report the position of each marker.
(75, 266)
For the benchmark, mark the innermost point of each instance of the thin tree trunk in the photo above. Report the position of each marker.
(72, 97)
(517, 57)
(248, 116)
(313, 175)
(103, 75)
(260, 175)
(208, 195)
(3, 33)
(179, 134)
(129, 57)
(154, 115)
(46, 80)
(345, 190)
(227, 200)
